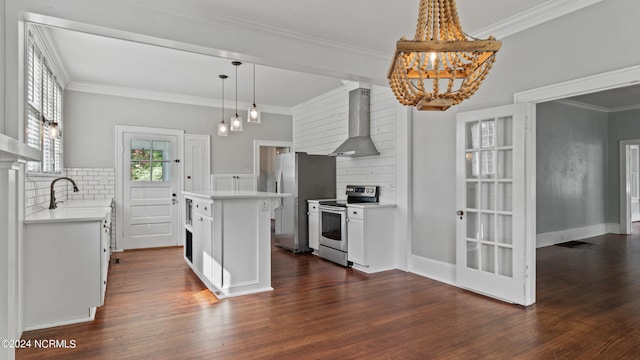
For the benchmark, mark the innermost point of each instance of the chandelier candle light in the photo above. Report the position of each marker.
(236, 121)
(441, 55)
(223, 129)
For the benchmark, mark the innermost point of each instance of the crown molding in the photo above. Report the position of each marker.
(42, 37)
(586, 106)
(537, 15)
(168, 97)
(206, 15)
(582, 105)
(625, 108)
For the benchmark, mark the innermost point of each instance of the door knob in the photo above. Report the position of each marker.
(460, 213)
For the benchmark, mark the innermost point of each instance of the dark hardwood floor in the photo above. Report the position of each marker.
(588, 307)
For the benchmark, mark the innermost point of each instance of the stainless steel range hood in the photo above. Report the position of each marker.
(359, 143)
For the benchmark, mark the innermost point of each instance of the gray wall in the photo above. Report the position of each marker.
(553, 52)
(623, 125)
(2, 68)
(90, 119)
(571, 167)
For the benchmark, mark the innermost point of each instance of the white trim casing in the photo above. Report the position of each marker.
(256, 151)
(586, 85)
(404, 188)
(624, 189)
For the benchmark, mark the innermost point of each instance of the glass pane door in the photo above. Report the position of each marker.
(490, 245)
(489, 165)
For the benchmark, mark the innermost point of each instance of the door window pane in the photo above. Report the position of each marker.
(473, 254)
(150, 160)
(472, 135)
(505, 261)
(472, 226)
(487, 134)
(505, 164)
(505, 229)
(504, 132)
(488, 258)
(472, 165)
(472, 195)
(488, 227)
(488, 196)
(504, 196)
(487, 164)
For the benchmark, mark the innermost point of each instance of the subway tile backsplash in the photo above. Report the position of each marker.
(93, 183)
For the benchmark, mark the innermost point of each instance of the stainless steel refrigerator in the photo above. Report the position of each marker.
(305, 177)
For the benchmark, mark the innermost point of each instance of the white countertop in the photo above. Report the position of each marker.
(85, 203)
(318, 200)
(372, 205)
(234, 194)
(72, 214)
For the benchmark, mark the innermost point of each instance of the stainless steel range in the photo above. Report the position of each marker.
(333, 222)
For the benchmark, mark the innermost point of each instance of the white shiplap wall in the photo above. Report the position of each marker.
(321, 125)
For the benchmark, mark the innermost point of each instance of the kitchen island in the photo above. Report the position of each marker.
(228, 240)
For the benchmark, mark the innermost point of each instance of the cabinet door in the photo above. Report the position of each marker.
(105, 252)
(356, 251)
(314, 229)
(199, 233)
(206, 248)
(246, 183)
(223, 182)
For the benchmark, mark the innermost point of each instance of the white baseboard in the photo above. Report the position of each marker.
(613, 228)
(557, 237)
(433, 269)
(91, 317)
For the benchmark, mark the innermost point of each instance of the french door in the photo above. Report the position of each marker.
(493, 250)
(150, 190)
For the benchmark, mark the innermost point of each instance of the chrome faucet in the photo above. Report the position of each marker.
(52, 202)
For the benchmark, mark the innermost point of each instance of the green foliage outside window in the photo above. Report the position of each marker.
(147, 165)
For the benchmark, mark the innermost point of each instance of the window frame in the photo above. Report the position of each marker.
(44, 102)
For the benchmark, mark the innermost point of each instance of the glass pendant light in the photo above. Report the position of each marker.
(253, 115)
(54, 130)
(236, 121)
(223, 129)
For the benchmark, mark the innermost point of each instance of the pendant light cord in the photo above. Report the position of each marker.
(237, 90)
(254, 85)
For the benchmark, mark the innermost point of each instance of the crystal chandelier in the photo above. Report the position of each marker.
(441, 66)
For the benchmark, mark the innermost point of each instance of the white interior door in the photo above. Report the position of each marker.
(150, 190)
(197, 163)
(491, 237)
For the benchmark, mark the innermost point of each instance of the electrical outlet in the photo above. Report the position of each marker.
(264, 205)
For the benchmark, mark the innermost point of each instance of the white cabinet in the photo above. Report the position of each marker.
(66, 266)
(105, 255)
(230, 246)
(229, 182)
(314, 224)
(356, 245)
(370, 237)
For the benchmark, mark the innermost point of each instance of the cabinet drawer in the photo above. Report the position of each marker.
(313, 207)
(355, 213)
(203, 208)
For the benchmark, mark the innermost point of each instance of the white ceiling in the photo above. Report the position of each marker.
(111, 65)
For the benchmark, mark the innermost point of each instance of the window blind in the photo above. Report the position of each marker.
(44, 106)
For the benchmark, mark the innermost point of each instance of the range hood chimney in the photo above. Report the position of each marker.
(359, 143)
